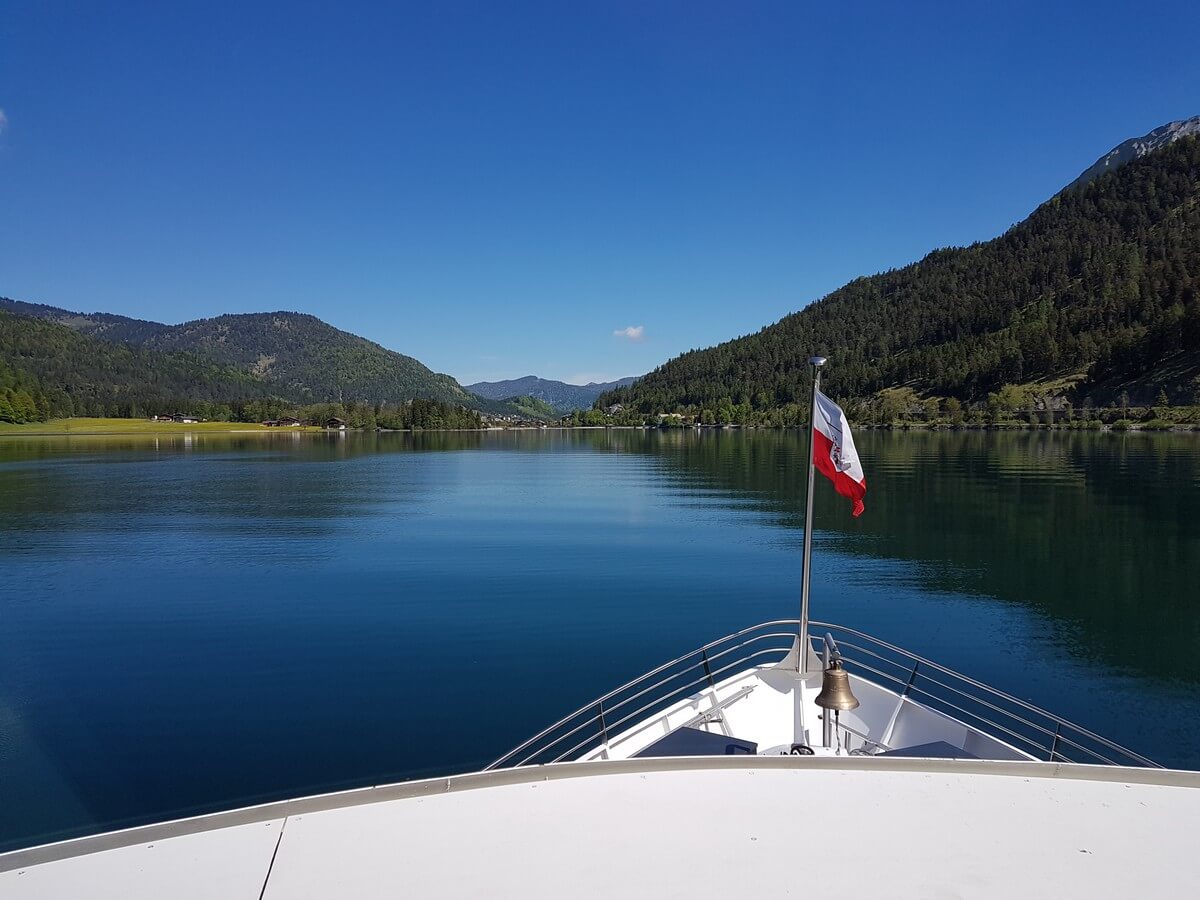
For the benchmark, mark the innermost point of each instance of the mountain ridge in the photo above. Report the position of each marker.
(561, 395)
(304, 358)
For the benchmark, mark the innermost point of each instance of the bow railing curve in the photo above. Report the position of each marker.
(977, 705)
(593, 723)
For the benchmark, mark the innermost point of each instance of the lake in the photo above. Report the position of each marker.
(190, 623)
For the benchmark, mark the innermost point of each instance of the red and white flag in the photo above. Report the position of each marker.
(834, 453)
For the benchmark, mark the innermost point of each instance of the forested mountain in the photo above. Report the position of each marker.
(48, 370)
(117, 329)
(299, 356)
(1101, 280)
(561, 396)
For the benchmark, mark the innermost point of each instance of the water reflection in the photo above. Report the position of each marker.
(1100, 532)
(196, 625)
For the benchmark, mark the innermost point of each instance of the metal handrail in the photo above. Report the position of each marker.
(662, 701)
(637, 681)
(659, 701)
(595, 722)
(908, 687)
(1009, 698)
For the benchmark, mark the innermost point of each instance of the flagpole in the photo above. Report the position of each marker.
(806, 563)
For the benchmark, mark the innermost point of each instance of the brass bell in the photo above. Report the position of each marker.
(835, 689)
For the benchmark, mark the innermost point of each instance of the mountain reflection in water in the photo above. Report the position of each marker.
(198, 622)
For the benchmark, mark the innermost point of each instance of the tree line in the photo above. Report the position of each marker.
(416, 414)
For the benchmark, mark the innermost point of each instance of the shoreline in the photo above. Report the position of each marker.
(127, 428)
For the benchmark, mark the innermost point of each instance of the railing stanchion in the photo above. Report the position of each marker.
(708, 669)
(912, 676)
(1054, 744)
(603, 725)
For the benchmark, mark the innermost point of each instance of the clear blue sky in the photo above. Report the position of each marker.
(497, 188)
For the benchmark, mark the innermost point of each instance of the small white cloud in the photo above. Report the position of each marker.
(632, 333)
(3, 121)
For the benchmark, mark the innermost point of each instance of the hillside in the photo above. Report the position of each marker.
(48, 370)
(1101, 280)
(310, 359)
(533, 408)
(301, 357)
(561, 396)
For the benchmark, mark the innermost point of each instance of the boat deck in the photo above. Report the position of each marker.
(669, 827)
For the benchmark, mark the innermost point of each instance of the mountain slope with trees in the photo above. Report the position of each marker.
(302, 357)
(310, 358)
(1101, 280)
(51, 371)
(48, 371)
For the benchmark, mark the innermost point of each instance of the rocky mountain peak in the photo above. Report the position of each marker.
(1136, 148)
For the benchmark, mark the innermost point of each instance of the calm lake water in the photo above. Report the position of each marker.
(196, 623)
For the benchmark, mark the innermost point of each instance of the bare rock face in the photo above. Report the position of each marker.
(1136, 148)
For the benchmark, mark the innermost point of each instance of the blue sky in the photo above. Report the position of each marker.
(577, 190)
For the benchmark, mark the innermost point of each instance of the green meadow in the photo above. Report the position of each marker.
(137, 426)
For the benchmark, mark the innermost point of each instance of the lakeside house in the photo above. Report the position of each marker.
(186, 419)
(336, 423)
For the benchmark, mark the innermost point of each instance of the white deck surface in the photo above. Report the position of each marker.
(724, 826)
(222, 863)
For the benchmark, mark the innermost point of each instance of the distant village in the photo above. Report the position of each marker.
(575, 420)
(333, 423)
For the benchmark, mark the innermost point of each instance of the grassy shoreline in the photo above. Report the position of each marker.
(93, 426)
